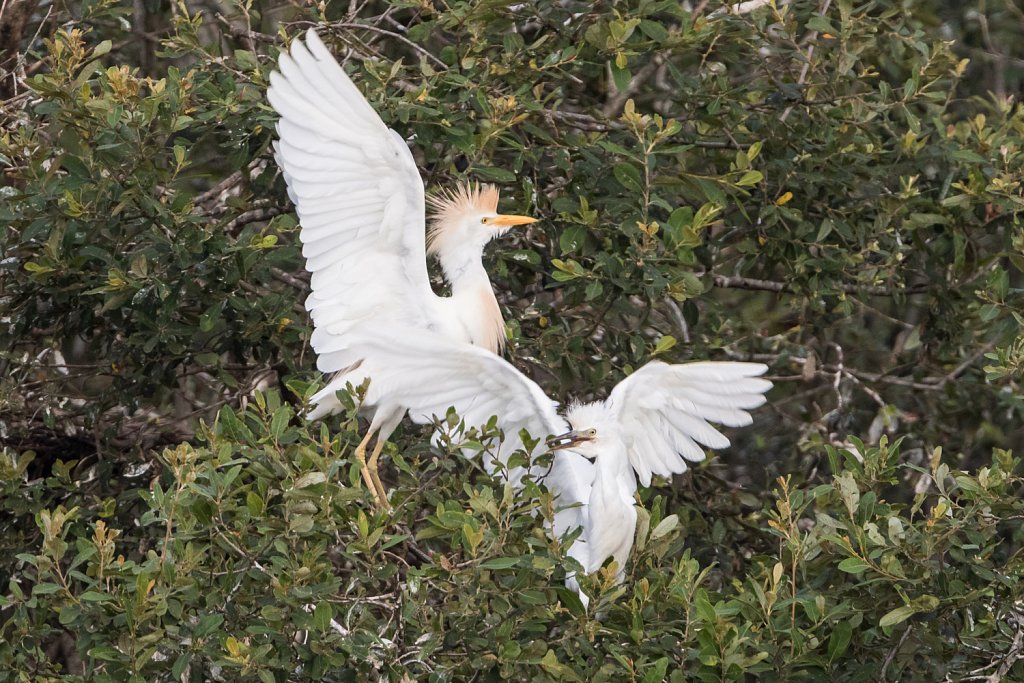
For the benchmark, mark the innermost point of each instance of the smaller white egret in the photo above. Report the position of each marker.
(653, 422)
(360, 202)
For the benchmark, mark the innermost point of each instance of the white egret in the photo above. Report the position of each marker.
(360, 202)
(653, 422)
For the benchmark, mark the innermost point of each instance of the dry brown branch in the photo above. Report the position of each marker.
(933, 383)
(617, 98)
(253, 216)
(391, 34)
(1012, 655)
(737, 282)
(300, 282)
(739, 8)
(14, 16)
(586, 122)
(813, 36)
(892, 654)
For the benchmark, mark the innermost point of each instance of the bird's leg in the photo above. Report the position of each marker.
(371, 465)
(364, 469)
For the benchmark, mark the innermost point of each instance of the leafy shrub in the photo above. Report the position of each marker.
(831, 189)
(253, 556)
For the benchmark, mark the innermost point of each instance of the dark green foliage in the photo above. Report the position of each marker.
(834, 192)
(260, 561)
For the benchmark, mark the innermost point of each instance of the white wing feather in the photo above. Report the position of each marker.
(665, 411)
(359, 198)
(427, 374)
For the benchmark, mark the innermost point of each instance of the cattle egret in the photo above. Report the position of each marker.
(360, 202)
(653, 423)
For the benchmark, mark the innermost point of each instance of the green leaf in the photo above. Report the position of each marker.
(654, 30)
(322, 615)
(500, 175)
(853, 565)
(500, 563)
(665, 526)
(705, 608)
(102, 49)
(208, 623)
(656, 674)
(106, 653)
(839, 640)
(665, 343)
(551, 665)
(310, 479)
(628, 176)
(896, 616)
(750, 178)
(95, 596)
(69, 614)
(246, 60)
(621, 76)
(300, 524)
(821, 24)
(572, 238)
(180, 664)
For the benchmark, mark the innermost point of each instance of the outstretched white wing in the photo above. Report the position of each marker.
(427, 374)
(359, 197)
(665, 411)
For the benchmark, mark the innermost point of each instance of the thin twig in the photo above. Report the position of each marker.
(397, 36)
(253, 216)
(932, 383)
(1012, 655)
(618, 97)
(807, 64)
(892, 654)
(737, 282)
(289, 279)
(739, 8)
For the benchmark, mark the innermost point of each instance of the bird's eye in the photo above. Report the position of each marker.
(591, 432)
(485, 221)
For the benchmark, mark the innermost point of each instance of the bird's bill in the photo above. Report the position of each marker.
(507, 221)
(567, 440)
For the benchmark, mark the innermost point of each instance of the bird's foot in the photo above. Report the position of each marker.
(364, 469)
(371, 465)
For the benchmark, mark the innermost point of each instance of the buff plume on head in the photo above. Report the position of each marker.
(452, 208)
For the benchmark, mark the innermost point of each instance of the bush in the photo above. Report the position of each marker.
(259, 560)
(712, 187)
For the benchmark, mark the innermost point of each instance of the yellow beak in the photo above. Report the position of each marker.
(509, 221)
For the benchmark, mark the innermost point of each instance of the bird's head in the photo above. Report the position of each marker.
(467, 218)
(591, 431)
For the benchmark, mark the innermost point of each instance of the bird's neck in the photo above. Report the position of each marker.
(474, 298)
(614, 473)
(463, 267)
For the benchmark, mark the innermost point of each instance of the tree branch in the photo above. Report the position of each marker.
(391, 34)
(1012, 655)
(807, 64)
(892, 654)
(737, 282)
(618, 99)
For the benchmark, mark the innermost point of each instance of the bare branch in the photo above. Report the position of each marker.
(252, 216)
(391, 34)
(807, 64)
(737, 282)
(1012, 655)
(618, 98)
(892, 654)
(739, 8)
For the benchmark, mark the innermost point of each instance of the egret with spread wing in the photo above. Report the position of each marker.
(653, 423)
(360, 202)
